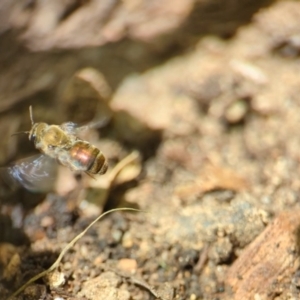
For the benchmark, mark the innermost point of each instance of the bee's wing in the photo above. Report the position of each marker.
(70, 127)
(35, 173)
(74, 129)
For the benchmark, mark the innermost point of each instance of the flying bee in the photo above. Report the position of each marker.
(61, 143)
(57, 143)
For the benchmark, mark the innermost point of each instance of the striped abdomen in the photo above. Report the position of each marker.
(86, 157)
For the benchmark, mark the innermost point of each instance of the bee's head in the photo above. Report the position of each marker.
(37, 131)
(36, 128)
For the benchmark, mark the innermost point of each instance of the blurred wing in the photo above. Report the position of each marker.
(35, 173)
(70, 127)
(74, 129)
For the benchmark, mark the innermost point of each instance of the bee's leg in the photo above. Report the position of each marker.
(87, 173)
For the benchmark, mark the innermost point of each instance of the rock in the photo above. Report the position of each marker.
(104, 287)
(268, 263)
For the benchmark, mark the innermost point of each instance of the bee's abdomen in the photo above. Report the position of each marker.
(99, 165)
(88, 158)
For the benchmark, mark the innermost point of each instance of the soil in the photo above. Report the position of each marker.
(195, 107)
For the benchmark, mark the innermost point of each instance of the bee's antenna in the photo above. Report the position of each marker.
(19, 132)
(31, 115)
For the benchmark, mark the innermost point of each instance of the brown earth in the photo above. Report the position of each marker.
(195, 105)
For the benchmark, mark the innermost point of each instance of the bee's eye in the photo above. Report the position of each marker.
(32, 137)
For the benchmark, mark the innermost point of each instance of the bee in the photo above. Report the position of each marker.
(61, 143)
(56, 143)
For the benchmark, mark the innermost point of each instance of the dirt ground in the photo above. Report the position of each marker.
(195, 105)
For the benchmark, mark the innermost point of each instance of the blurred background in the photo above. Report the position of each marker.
(194, 104)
